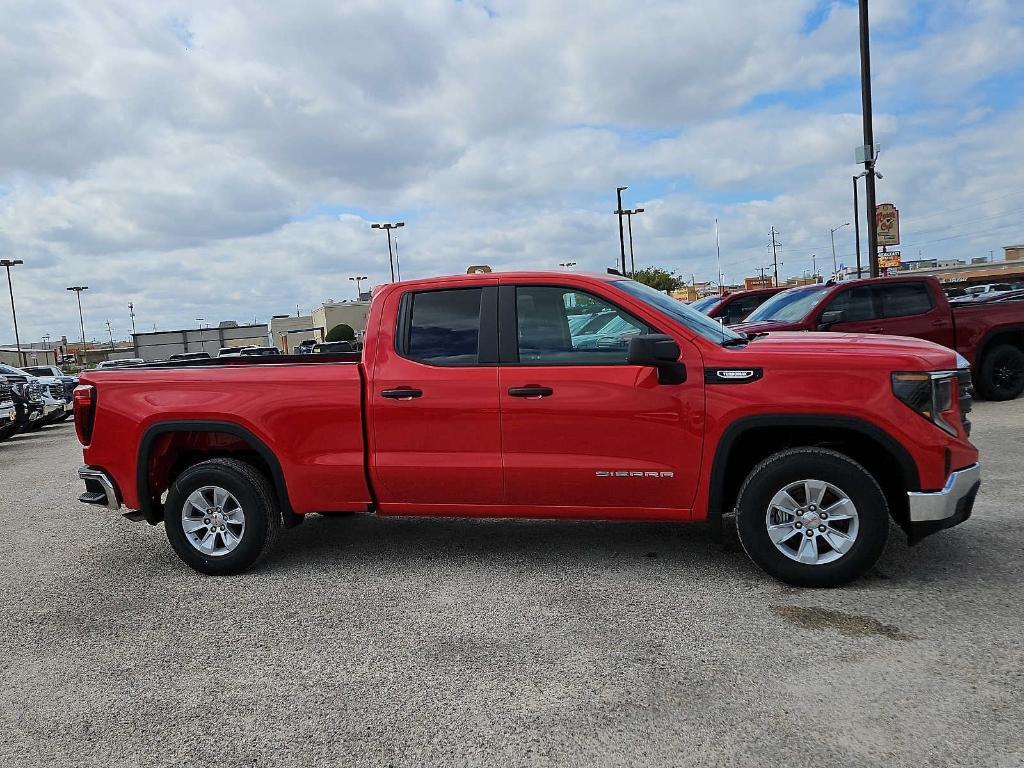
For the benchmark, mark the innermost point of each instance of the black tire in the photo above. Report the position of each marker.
(1001, 374)
(791, 466)
(256, 497)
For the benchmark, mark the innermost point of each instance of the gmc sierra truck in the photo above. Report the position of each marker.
(471, 398)
(989, 335)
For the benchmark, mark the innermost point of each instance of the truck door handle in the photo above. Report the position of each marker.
(531, 390)
(402, 393)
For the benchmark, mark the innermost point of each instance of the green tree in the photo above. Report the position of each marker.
(341, 332)
(659, 278)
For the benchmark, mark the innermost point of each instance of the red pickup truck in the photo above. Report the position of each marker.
(989, 335)
(474, 396)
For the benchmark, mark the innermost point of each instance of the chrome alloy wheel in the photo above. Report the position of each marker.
(812, 522)
(213, 520)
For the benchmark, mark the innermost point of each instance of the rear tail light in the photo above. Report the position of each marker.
(84, 399)
(933, 395)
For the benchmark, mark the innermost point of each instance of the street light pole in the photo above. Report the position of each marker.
(202, 334)
(8, 263)
(358, 281)
(78, 292)
(856, 220)
(629, 223)
(391, 254)
(718, 253)
(832, 234)
(869, 138)
(622, 242)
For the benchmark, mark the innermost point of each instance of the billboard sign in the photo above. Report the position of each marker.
(887, 224)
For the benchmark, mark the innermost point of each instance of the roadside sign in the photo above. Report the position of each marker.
(889, 260)
(887, 224)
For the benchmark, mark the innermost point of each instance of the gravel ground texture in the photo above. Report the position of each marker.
(368, 641)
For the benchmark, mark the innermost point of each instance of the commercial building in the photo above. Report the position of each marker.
(352, 313)
(288, 331)
(9, 355)
(160, 345)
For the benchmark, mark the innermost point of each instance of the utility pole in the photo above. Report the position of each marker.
(131, 311)
(718, 253)
(629, 223)
(391, 253)
(622, 242)
(8, 263)
(775, 256)
(814, 264)
(78, 292)
(110, 335)
(869, 137)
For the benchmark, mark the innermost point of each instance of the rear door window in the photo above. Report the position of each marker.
(444, 327)
(904, 299)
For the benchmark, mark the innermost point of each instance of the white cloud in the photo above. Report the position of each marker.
(171, 155)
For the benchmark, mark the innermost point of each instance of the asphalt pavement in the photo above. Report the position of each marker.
(415, 642)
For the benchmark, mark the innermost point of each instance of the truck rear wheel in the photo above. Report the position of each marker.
(1001, 374)
(221, 516)
(812, 517)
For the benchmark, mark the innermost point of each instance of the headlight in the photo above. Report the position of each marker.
(931, 395)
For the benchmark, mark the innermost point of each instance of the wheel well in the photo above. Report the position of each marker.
(167, 450)
(1014, 337)
(758, 443)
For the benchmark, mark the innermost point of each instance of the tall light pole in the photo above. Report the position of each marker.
(814, 264)
(110, 335)
(8, 263)
(869, 136)
(568, 265)
(78, 292)
(832, 234)
(629, 223)
(358, 281)
(391, 255)
(718, 253)
(131, 311)
(622, 243)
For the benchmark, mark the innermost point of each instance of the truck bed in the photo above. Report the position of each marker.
(303, 412)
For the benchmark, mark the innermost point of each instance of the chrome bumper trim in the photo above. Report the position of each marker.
(100, 477)
(941, 505)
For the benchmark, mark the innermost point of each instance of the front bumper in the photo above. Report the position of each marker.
(935, 511)
(99, 489)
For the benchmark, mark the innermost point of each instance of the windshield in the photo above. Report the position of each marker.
(789, 306)
(706, 304)
(39, 371)
(710, 329)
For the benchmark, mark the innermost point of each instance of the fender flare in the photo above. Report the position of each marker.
(153, 512)
(723, 451)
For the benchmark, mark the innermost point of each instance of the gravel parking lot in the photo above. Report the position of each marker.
(378, 642)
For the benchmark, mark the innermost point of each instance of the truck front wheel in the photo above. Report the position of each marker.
(1001, 374)
(221, 516)
(812, 517)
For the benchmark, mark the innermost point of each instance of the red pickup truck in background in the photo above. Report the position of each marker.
(474, 396)
(989, 335)
(734, 307)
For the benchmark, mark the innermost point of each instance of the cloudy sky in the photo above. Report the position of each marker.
(225, 160)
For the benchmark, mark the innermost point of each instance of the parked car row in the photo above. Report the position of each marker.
(33, 397)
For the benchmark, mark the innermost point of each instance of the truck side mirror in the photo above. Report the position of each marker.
(830, 318)
(657, 350)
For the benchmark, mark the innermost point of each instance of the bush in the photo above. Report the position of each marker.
(341, 332)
